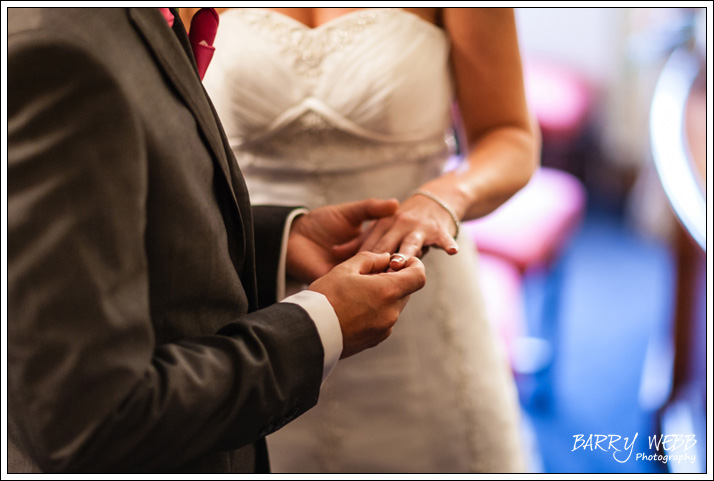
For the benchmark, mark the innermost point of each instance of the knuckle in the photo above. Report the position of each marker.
(415, 238)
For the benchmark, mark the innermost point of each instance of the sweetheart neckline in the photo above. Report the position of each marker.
(337, 20)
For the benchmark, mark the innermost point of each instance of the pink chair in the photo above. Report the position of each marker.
(531, 228)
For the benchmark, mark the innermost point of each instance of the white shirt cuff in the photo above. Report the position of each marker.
(328, 326)
(281, 288)
(317, 306)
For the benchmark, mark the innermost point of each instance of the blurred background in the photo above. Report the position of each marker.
(595, 273)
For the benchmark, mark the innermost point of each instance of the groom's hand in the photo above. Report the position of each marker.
(368, 297)
(312, 250)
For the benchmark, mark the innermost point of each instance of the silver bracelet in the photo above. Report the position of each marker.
(446, 207)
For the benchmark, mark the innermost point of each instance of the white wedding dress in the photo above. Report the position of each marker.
(360, 107)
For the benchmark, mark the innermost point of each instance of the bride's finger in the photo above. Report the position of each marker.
(447, 243)
(379, 229)
(412, 244)
(399, 236)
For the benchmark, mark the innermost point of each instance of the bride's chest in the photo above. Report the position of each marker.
(373, 42)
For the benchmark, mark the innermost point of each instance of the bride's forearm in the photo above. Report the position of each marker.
(495, 168)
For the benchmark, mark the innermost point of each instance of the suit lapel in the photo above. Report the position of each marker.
(182, 36)
(175, 59)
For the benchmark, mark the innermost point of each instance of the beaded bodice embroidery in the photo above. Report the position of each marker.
(372, 82)
(310, 48)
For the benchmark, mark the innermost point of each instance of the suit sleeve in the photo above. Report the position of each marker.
(269, 225)
(88, 389)
(268, 220)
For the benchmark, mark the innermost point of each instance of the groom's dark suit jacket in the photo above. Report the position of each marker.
(135, 342)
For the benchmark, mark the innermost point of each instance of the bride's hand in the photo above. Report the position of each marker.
(419, 223)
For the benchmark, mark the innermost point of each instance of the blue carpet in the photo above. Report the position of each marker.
(613, 293)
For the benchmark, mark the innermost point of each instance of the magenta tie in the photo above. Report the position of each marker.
(202, 33)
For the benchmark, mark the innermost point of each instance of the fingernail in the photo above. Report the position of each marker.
(454, 249)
